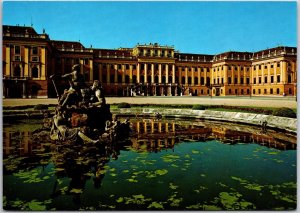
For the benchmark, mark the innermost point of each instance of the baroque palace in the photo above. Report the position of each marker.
(29, 59)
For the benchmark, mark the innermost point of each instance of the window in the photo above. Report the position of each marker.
(127, 78)
(34, 50)
(254, 80)
(236, 91)
(196, 80)
(34, 72)
(112, 78)
(119, 66)
(258, 91)
(119, 78)
(265, 91)
(253, 91)
(271, 91)
(266, 79)
(289, 78)
(248, 80)
(242, 91)
(189, 80)
(202, 80)
(248, 91)
(259, 67)
(17, 50)
(235, 80)
(266, 66)
(229, 80)
(290, 91)
(134, 80)
(134, 67)
(127, 66)
(278, 91)
(272, 65)
(235, 68)
(208, 81)
(214, 81)
(242, 80)
(272, 79)
(17, 71)
(259, 80)
(278, 65)
(278, 78)
(229, 91)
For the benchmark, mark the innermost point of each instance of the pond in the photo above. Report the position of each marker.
(164, 165)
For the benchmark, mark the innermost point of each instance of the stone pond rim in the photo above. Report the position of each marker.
(274, 122)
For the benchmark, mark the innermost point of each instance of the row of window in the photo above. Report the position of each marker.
(265, 66)
(271, 79)
(269, 91)
(33, 50)
(232, 68)
(156, 79)
(34, 71)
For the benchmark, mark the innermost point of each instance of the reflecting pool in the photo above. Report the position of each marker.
(165, 164)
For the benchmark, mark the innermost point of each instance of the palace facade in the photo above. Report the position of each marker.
(29, 59)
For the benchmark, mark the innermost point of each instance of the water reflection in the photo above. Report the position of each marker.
(72, 167)
(161, 134)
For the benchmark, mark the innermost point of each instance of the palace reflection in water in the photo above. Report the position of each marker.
(154, 135)
(66, 171)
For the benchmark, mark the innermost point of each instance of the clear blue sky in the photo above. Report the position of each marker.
(192, 27)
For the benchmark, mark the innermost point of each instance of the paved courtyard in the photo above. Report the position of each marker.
(233, 101)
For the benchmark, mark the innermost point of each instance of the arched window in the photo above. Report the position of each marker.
(189, 80)
(119, 78)
(134, 79)
(34, 72)
(183, 80)
(127, 79)
(17, 70)
(112, 78)
(196, 80)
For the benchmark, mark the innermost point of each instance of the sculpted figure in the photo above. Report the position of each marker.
(60, 131)
(97, 95)
(76, 81)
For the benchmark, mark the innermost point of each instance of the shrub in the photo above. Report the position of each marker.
(123, 105)
(285, 112)
(198, 107)
(40, 107)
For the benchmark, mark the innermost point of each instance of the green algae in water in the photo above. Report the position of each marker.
(156, 205)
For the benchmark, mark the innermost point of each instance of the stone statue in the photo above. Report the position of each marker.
(76, 81)
(81, 108)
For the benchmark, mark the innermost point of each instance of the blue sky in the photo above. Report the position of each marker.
(192, 27)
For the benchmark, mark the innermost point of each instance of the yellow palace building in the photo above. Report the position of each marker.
(29, 59)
